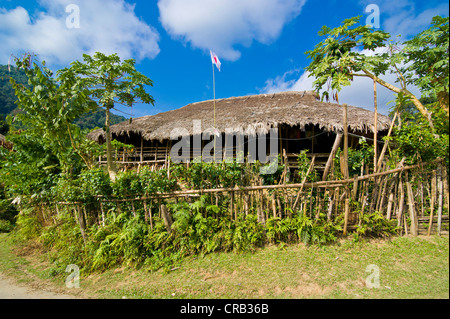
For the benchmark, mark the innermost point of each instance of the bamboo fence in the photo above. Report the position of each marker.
(415, 196)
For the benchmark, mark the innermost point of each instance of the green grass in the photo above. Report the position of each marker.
(409, 268)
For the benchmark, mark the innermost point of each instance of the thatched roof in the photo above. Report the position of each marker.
(250, 113)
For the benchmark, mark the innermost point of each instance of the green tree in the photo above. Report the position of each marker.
(110, 81)
(338, 59)
(49, 107)
(428, 61)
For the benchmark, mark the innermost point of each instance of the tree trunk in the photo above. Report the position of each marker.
(112, 170)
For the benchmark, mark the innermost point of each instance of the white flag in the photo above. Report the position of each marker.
(215, 60)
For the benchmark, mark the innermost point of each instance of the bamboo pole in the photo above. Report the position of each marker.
(383, 151)
(330, 205)
(440, 199)
(433, 200)
(167, 218)
(103, 214)
(381, 196)
(346, 213)
(337, 143)
(141, 153)
(311, 166)
(144, 202)
(389, 208)
(81, 222)
(231, 204)
(345, 123)
(274, 206)
(355, 187)
(405, 224)
(401, 202)
(445, 186)
(375, 130)
(412, 211)
(326, 184)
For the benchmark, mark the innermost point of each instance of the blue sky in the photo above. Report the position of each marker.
(261, 43)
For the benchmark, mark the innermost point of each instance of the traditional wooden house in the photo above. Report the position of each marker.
(301, 120)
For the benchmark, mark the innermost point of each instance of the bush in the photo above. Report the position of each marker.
(375, 225)
(5, 226)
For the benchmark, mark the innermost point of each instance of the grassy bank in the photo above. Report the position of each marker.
(408, 268)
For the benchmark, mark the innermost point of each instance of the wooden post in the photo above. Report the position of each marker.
(150, 215)
(440, 199)
(345, 115)
(274, 206)
(375, 130)
(86, 219)
(168, 221)
(412, 211)
(445, 186)
(81, 222)
(405, 224)
(389, 208)
(401, 202)
(103, 214)
(305, 179)
(141, 155)
(330, 205)
(337, 143)
(231, 204)
(346, 213)
(355, 187)
(144, 202)
(236, 206)
(385, 146)
(433, 199)
(381, 196)
(246, 210)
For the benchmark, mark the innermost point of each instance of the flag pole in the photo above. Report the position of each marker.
(214, 92)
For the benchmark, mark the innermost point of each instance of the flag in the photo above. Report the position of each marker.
(215, 60)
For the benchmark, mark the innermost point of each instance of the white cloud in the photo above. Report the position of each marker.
(401, 17)
(106, 26)
(220, 25)
(408, 23)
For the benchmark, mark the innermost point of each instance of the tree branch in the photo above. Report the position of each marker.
(422, 109)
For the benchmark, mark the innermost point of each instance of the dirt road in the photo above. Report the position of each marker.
(12, 290)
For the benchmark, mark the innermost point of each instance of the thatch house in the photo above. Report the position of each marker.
(301, 119)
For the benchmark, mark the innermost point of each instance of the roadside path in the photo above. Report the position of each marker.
(11, 290)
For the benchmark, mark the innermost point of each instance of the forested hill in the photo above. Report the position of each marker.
(7, 101)
(7, 97)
